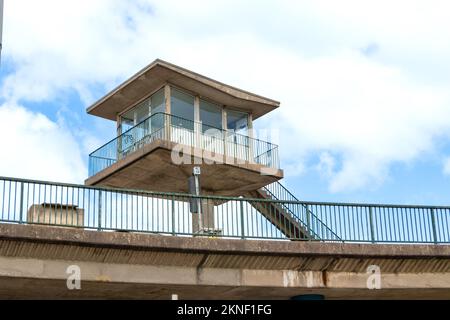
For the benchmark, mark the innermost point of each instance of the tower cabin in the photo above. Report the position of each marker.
(170, 120)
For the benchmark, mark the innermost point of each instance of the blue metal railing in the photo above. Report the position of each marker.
(161, 126)
(70, 205)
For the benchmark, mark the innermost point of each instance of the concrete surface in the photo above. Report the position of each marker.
(34, 260)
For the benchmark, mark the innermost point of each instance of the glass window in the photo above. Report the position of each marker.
(158, 105)
(237, 122)
(210, 115)
(127, 121)
(182, 109)
(141, 111)
(136, 115)
(126, 124)
(152, 105)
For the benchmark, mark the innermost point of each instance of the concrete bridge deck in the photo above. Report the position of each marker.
(34, 260)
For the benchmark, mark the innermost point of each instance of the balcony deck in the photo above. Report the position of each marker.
(148, 157)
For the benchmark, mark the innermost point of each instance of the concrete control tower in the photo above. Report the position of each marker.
(170, 120)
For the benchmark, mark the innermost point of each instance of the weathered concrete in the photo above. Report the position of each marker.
(151, 168)
(129, 265)
(207, 219)
(26, 288)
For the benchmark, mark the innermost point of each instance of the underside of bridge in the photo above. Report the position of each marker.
(34, 261)
(25, 288)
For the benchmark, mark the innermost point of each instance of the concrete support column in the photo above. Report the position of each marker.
(118, 124)
(225, 128)
(119, 133)
(207, 217)
(197, 123)
(224, 119)
(168, 111)
(251, 154)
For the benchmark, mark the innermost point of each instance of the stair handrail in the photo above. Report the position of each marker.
(293, 198)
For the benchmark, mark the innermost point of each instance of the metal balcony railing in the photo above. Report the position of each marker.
(110, 209)
(161, 126)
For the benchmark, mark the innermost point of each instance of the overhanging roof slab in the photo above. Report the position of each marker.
(159, 72)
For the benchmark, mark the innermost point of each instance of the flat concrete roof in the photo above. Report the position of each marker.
(160, 72)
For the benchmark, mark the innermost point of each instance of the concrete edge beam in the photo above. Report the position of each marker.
(139, 241)
(163, 275)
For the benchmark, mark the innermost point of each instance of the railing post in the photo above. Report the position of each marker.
(242, 220)
(372, 233)
(250, 139)
(433, 225)
(21, 204)
(173, 216)
(99, 227)
(308, 219)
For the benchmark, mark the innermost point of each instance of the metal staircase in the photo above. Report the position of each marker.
(293, 218)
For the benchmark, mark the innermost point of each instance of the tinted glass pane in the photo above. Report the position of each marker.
(136, 115)
(129, 115)
(182, 107)
(158, 103)
(237, 121)
(210, 115)
(158, 108)
(142, 111)
(127, 120)
(127, 124)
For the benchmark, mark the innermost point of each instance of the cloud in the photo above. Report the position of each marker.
(37, 148)
(371, 115)
(57, 46)
(359, 90)
(326, 165)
